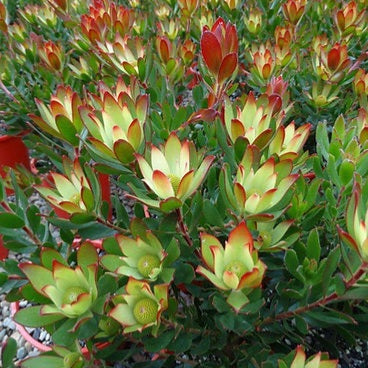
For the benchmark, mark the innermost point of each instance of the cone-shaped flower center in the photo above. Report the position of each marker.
(75, 198)
(145, 311)
(71, 294)
(236, 267)
(175, 181)
(147, 263)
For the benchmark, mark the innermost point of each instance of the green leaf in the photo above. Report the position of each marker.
(313, 246)
(220, 304)
(170, 204)
(43, 361)
(88, 329)
(81, 218)
(211, 214)
(182, 343)
(202, 347)
(155, 344)
(173, 252)
(11, 221)
(32, 317)
(330, 267)
(64, 334)
(34, 218)
(106, 284)
(226, 321)
(301, 325)
(8, 353)
(358, 292)
(292, 263)
(322, 140)
(184, 273)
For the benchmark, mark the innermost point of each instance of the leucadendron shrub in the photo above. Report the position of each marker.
(202, 170)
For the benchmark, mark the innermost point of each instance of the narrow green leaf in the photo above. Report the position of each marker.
(313, 246)
(31, 317)
(10, 221)
(8, 353)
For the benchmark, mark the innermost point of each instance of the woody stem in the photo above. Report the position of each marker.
(321, 302)
(183, 229)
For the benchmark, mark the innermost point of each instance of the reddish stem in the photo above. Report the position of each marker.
(321, 302)
(183, 228)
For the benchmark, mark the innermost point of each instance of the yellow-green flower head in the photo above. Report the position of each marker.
(116, 124)
(256, 121)
(141, 308)
(258, 188)
(357, 234)
(72, 291)
(316, 361)
(173, 174)
(288, 141)
(142, 258)
(61, 118)
(235, 267)
(72, 192)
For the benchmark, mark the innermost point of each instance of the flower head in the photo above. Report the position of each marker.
(357, 224)
(116, 123)
(52, 55)
(316, 361)
(255, 121)
(71, 192)
(140, 307)
(72, 291)
(61, 118)
(219, 47)
(259, 189)
(175, 172)
(143, 258)
(349, 20)
(235, 267)
(293, 10)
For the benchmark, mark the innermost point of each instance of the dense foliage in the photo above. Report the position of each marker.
(205, 163)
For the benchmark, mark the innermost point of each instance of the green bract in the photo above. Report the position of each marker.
(175, 173)
(259, 187)
(142, 259)
(142, 308)
(236, 268)
(72, 192)
(72, 291)
(116, 121)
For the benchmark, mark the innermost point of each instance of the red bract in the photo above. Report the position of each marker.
(337, 58)
(106, 19)
(164, 48)
(349, 19)
(219, 47)
(293, 10)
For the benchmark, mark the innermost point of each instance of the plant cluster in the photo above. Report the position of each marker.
(237, 132)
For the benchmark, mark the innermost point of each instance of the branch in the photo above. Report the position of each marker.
(183, 228)
(319, 303)
(112, 226)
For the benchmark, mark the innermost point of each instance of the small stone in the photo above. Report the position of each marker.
(36, 334)
(23, 303)
(42, 335)
(5, 311)
(6, 322)
(21, 353)
(28, 346)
